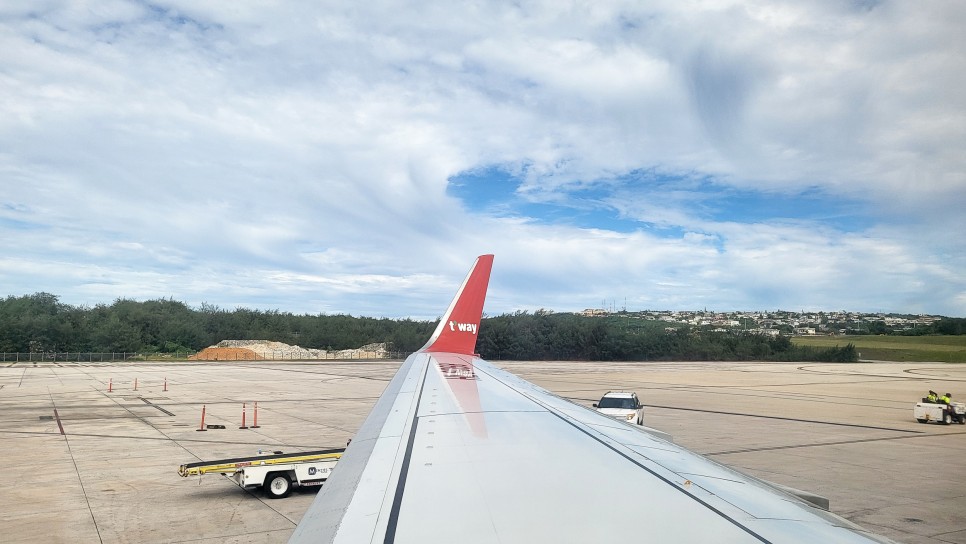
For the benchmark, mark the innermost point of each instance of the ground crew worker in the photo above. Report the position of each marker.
(947, 399)
(932, 396)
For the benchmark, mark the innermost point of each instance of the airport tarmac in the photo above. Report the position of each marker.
(87, 458)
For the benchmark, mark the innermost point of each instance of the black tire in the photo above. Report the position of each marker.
(277, 485)
(922, 420)
(947, 419)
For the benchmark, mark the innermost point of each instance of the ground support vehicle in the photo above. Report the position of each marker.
(924, 412)
(276, 473)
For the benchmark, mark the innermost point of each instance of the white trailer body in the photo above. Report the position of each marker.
(924, 412)
(279, 479)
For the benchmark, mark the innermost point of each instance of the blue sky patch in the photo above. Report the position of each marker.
(599, 203)
(493, 191)
(811, 206)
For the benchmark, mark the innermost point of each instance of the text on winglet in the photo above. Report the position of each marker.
(462, 327)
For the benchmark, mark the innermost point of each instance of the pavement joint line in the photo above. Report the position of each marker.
(913, 372)
(159, 431)
(726, 389)
(806, 368)
(88, 374)
(678, 408)
(261, 499)
(835, 423)
(729, 390)
(834, 443)
(162, 438)
(759, 393)
(937, 535)
(242, 534)
(306, 420)
(768, 388)
(374, 378)
(80, 480)
(56, 375)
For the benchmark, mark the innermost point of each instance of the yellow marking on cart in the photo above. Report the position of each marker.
(226, 466)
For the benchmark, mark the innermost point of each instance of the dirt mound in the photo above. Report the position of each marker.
(215, 353)
(261, 350)
(274, 350)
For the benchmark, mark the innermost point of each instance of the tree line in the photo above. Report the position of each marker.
(40, 323)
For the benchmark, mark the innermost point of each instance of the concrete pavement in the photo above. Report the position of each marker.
(85, 464)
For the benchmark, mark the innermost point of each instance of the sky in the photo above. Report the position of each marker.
(355, 157)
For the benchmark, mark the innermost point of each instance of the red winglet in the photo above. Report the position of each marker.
(458, 329)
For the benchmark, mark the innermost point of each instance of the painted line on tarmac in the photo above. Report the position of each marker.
(153, 405)
(59, 424)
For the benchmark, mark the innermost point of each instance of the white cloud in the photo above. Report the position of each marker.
(252, 153)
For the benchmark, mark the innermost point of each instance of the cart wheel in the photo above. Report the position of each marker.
(277, 486)
(947, 419)
(922, 420)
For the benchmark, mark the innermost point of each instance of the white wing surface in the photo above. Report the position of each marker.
(459, 451)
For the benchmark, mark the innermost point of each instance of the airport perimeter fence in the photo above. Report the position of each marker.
(107, 357)
(82, 357)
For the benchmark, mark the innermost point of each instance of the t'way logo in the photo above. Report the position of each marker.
(462, 327)
(459, 370)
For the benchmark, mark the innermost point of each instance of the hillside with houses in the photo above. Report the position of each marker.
(785, 322)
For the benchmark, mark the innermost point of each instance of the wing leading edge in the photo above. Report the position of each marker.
(457, 450)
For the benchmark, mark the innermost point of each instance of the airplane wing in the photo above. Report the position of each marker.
(457, 450)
